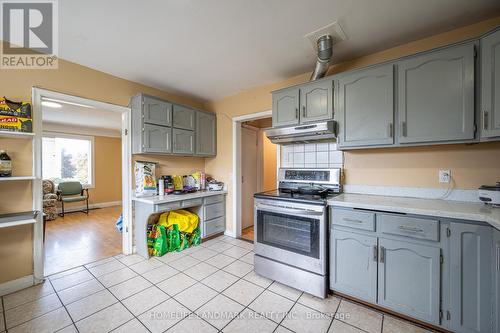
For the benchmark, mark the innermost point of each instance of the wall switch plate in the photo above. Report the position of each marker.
(444, 176)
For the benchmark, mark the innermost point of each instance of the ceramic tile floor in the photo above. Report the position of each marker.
(208, 288)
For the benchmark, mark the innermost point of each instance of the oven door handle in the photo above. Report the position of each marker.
(296, 212)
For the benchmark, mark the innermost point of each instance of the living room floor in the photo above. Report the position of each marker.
(207, 288)
(78, 239)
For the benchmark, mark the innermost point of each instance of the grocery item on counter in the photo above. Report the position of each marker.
(214, 185)
(161, 186)
(178, 183)
(145, 178)
(169, 184)
(5, 164)
(197, 180)
(203, 180)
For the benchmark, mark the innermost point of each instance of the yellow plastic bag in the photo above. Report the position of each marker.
(163, 219)
(186, 220)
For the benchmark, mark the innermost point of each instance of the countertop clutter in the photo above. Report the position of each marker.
(431, 207)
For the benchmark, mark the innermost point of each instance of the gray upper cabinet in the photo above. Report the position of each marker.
(156, 111)
(161, 127)
(182, 141)
(183, 117)
(470, 283)
(490, 86)
(157, 139)
(409, 278)
(316, 101)
(206, 134)
(366, 107)
(286, 107)
(353, 264)
(436, 96)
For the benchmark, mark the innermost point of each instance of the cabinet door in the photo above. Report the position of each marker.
(182, 141)
(156, 111)
(206, 134)
(490, 85)
(366, 107)
(316, 101)
(470, 275)
(183, 117)
(409, 279)
(286, 107)
(436, 96)
(496, 251)
(157, 139)
(353, 264)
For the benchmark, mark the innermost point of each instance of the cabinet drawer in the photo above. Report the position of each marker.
(213, 226)
(409, 226)
(213, 199)
(192, 203)
(214, 210)
(353, 219)
(168, 206)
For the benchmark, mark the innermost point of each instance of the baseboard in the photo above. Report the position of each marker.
(16, 285)
(91, 206)
(230, 233)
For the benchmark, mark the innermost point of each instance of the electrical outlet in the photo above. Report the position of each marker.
(444, 176)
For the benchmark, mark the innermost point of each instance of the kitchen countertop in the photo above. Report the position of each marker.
(155, 200)
(431, 207)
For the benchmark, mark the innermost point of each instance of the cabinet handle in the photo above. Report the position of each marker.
(390, 130)
(410, 229)
(296, 113)
(498, 258)
(375, 253)
(485, 119)
(304, 111)
(382, 255)
(352, 220)
(403, 128)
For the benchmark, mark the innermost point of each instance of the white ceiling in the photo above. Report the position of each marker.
(211, 49)
(72, 115)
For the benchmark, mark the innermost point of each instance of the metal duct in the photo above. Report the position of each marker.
(325, 51)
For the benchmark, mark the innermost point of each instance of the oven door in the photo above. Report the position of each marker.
(291, 233)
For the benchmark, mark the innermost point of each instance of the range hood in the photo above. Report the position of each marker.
(303, 133)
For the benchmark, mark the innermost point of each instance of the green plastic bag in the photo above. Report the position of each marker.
(160, 245)
(174, 238)
(150, 236)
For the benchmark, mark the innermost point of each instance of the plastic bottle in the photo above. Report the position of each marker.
(161, 187)
(5, 164)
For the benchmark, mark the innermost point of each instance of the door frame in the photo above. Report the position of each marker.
(37, 95)
(237, 122)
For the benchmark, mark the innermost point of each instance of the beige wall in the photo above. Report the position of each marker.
(268, 163)
(16, 258)
(471, 165)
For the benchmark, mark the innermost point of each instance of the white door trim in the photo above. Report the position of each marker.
(237, 121)
(37, 95)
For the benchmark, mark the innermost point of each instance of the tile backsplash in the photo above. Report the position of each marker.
(312, 155)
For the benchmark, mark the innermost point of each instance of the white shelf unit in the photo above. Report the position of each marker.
(16, 223)
(16, 135)
(16, 178)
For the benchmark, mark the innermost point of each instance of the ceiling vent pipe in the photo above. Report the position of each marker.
(325, 51)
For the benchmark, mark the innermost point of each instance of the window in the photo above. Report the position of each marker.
(68, 157)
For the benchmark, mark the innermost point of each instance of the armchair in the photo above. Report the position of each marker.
(72, 192)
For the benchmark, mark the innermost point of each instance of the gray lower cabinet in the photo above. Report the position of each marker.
(490, 85)
(156, 139)
(409, 278)
(436, 96)
(353, 264)
(182, 141)
(470, 278)
(496, 304)
(156, 111)
(366, 108)
(286, 107)
(183, 117)
(316, 101)
(206, 134)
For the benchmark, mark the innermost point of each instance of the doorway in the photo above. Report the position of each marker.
(258, 169)
(85, 143)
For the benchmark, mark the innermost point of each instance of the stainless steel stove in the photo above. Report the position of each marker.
(291, 228)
